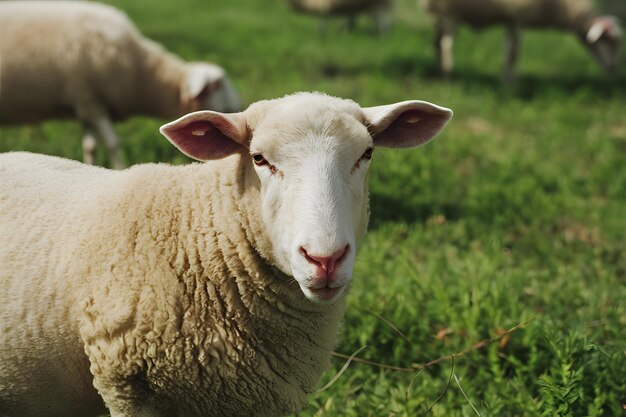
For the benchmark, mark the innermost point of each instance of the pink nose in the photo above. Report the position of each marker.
(326, 265)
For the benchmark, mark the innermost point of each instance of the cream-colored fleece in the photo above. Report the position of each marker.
(158, 279)
(565, 14)
(73, 58)
(329, 7)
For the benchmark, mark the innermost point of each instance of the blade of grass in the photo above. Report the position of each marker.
(444, 388)
(468, 400)
(341, 371)
(387, 322)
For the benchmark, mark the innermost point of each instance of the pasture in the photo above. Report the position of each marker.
(516, 212)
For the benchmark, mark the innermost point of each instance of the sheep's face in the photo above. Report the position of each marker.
(312, 167)
(206, 87)
(603, 39)
(309, 155)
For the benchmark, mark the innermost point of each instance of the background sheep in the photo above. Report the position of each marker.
(87, 60)
(379, 9)
(210, 289)
(601, 34)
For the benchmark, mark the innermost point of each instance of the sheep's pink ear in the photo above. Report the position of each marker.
(406, 124)
(206, 135)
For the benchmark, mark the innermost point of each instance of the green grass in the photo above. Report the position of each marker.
(516, 211)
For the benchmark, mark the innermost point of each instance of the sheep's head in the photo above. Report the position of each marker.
(206, 87)
(603, 36)
(309, 154)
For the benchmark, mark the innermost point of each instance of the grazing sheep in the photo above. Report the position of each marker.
(379, 9)
(600, 34)
(88, 60)
(211, 289)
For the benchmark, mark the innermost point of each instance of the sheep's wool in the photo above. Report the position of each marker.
(532, 13)
(177, 310)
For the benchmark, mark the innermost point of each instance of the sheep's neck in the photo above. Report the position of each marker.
(158, 89)
(260, 313)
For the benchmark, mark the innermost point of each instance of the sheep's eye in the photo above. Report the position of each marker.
(368, 153)
(258, 159)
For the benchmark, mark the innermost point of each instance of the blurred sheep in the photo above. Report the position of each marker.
(380, 10)
(88, 60)
(600, 34)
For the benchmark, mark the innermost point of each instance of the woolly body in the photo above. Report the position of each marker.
(171, 296)
(332, 7)
(380, 11)
(88, 60)
(600, 34)
(93, 57)
(565, 14)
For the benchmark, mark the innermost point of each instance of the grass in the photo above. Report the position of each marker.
(516, 211)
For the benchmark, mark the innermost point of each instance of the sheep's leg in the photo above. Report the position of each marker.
(350, 22)
(444, 42)
(98, 126)
(511, 52)
(382, 17)
(111, 141)
(323, 26)
(90, 143)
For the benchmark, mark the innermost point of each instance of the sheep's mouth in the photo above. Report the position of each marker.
(325, 294)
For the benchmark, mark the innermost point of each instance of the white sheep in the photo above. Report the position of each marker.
(600, 34)
(212, 289)
(88, 60)
(380, 10)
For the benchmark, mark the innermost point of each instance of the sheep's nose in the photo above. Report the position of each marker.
(326, 265)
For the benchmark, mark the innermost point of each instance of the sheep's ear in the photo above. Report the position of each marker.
(206, 135)
(406, 124)
(608, 25)
(199, 78)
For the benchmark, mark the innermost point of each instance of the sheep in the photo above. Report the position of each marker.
(600, 34)
(209, 289)
(88, 61)
(379, 9)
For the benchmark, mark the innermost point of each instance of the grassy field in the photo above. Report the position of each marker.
(517, 211)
